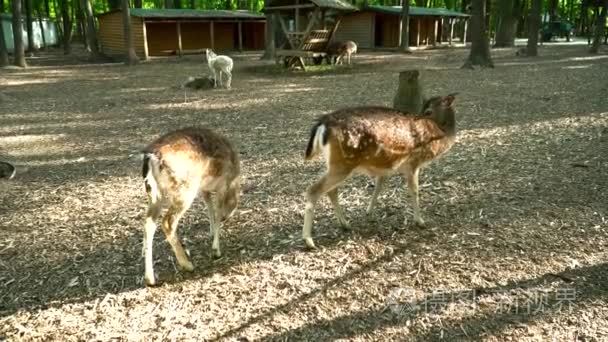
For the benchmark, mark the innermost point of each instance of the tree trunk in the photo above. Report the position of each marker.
(131, 58)
(534, 28)
(600, 26)
(67, 27)
(270, 38)
(480, 46)
(168, 3)
(41, 29)
(81, 31)
(91, 32)
(405, 26)
(410, 96)
(3, 50)
(137, 3)
(192, 4)
(47, 9)
(553, 4)
(19, 53)
(177, 4)
(507, 24)
(29, 25)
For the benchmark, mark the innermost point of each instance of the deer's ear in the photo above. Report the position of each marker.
(448, 100)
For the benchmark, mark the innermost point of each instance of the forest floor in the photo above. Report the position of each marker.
(517, 211)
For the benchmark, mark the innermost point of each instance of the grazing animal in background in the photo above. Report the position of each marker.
(7, 170)
(218, 65)
(377, 141)
(339, 50)
(198, 83)
(177, 167)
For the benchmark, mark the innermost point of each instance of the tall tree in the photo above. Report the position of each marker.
(480, 45)
(29, 25)
(3, 50)
(508, 13)
(91, 32)
(131, 57)
(168, 3)
(19, 53)
(269, 52)
(137, 4)
(600, 27)
(41, 24)
(404, 37)
(534, 28)
(177, 4)
(192, 4)
(67, 26)
(553, 6)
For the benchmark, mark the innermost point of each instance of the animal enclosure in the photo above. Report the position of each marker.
(515, 212)
(169, 31)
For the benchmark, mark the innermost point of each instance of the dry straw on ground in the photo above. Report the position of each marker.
(517, 210)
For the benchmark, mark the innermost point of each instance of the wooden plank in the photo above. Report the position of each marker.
(299, 53)
(418, 33)
(311, 23)
(288, 7)
(451, 30)
(240, 36)
(297, 16)
(317, 40)
(179, 38)
(285, 31)
(212, 34)
(145, 34)
(435, 31)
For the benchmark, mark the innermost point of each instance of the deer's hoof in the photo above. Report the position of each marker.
(186, 266)
(309, 243)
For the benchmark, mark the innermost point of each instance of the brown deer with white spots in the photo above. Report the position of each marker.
(377, 141)
(177, 167)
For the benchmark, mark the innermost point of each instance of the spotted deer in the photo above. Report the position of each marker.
(377, 141)
(7, 170)
(339, 50)
(177, 167)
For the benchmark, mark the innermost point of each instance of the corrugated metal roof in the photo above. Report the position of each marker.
(333, 4)
(417, 11)
(190, 13)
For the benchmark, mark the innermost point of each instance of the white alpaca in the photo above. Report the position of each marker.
(219, 64)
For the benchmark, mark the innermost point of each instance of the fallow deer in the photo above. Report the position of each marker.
(339, 50)
(377, 141)
(177, 167)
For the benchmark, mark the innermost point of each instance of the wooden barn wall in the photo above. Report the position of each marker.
(224, 36)
(195, 36)
(112, 38)
(253, 35)
(162, 37)
(358, 28)
(387, 30)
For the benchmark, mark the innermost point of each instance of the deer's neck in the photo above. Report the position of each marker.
(446, 121)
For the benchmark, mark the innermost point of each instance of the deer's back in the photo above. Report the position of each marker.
(383, 138)
(190, 154)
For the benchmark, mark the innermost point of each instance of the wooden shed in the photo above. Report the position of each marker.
(380, 26)
(158, 32)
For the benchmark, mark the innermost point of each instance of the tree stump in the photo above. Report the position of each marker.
(409, 97)
(198, 83)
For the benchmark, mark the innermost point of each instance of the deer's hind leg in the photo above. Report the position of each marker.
(326, 184)
(170, 223)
